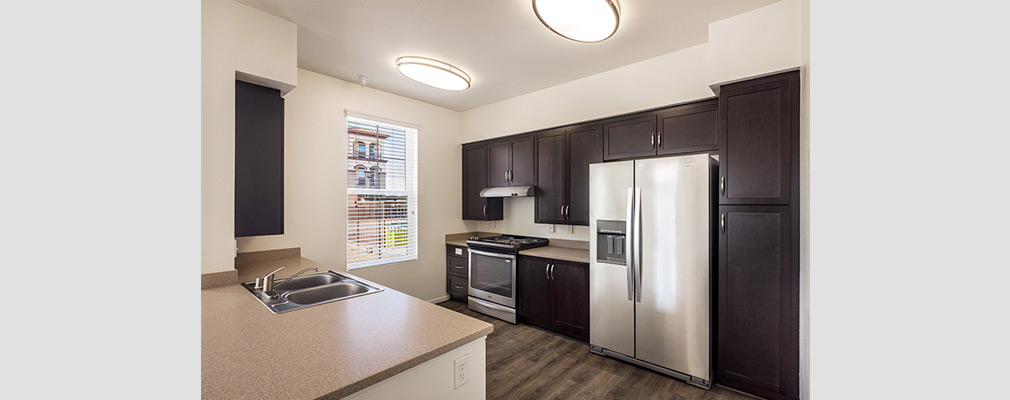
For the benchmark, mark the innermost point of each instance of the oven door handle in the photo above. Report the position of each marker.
(491, 254)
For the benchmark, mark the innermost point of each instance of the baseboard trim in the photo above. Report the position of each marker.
(439, 299)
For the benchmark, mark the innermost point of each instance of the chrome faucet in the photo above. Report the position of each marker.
(267, 282)
(297, 274)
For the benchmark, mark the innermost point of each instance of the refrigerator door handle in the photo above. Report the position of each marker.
(629, 245)
(638, 244)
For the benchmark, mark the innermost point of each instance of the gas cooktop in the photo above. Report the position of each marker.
(512, 243)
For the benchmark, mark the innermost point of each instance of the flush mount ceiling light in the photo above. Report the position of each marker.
(433, 73)
(586, 21)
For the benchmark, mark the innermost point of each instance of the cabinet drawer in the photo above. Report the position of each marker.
(457, 266)
(456, 286)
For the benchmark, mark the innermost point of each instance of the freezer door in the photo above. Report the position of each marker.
(611, 308)
(673, 315)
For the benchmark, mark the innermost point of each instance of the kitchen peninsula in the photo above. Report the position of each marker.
(372, 346)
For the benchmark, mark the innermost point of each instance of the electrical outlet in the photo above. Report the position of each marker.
(461, 370)
(550, 227)
(493, 223)
(571, 228)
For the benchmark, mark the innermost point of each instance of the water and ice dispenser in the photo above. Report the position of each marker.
(611, 242)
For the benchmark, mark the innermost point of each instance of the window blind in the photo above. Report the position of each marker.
(381, 192)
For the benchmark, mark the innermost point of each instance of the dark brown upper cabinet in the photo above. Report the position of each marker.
(511, 162)
(562, 163)
(688, 128)
(758, 131)
(551, 167)
(259, 160)
(475, 179)
(585, 146)
(758, 301)
(630, 137)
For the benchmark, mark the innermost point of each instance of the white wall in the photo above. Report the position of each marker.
(315, 180)
(434, 378)
(671, 78)
(758, 42)
(234, 38)
(805, 201)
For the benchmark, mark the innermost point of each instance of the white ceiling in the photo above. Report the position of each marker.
(500, 43)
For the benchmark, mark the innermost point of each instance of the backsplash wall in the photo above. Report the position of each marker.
(519, 221)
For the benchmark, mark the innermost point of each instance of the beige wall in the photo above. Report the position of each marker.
(234, 39)
(315, 180)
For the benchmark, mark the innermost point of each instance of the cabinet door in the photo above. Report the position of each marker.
(689, 128)
(631, 137)
(523, 168)
(533, 291)
(259, 160)
(499, 163)
(570, 291)
(758, 135)
(585, 146)
(551, 196)
(758, 304)
(474, 180)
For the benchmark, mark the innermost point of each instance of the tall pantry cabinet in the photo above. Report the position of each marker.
(757, 308)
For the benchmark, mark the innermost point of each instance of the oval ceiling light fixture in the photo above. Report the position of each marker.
(586, 21)
(434, 73)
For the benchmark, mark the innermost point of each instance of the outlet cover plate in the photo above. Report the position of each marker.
(461, 370)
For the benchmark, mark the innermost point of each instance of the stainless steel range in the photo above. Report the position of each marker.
(492, 289)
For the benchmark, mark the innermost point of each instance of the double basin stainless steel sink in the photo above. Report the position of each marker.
(309, 290)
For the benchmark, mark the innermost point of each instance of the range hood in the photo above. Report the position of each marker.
(508, 191)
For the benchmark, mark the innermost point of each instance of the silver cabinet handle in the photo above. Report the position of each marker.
(457, 286)
(659, 139)
(552, 272)
(722, 223)
(653, 136)
(722, 185)
(485, 211)
(510, 175)
(506, 175)
(562, 212)
(546, 271)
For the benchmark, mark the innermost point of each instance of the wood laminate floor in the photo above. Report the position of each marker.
(524, 362)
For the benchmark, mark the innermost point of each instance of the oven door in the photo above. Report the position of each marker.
(493, 277)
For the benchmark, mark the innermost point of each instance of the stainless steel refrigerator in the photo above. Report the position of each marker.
(650, 272)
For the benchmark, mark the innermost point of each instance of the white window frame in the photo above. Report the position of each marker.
(411, 161)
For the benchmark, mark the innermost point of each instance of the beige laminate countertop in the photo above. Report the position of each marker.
(330, 350)
(558, 253)
(459, 242)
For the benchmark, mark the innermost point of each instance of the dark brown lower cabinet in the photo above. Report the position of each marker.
(554, 295)
(758, 301)
(457, 271)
